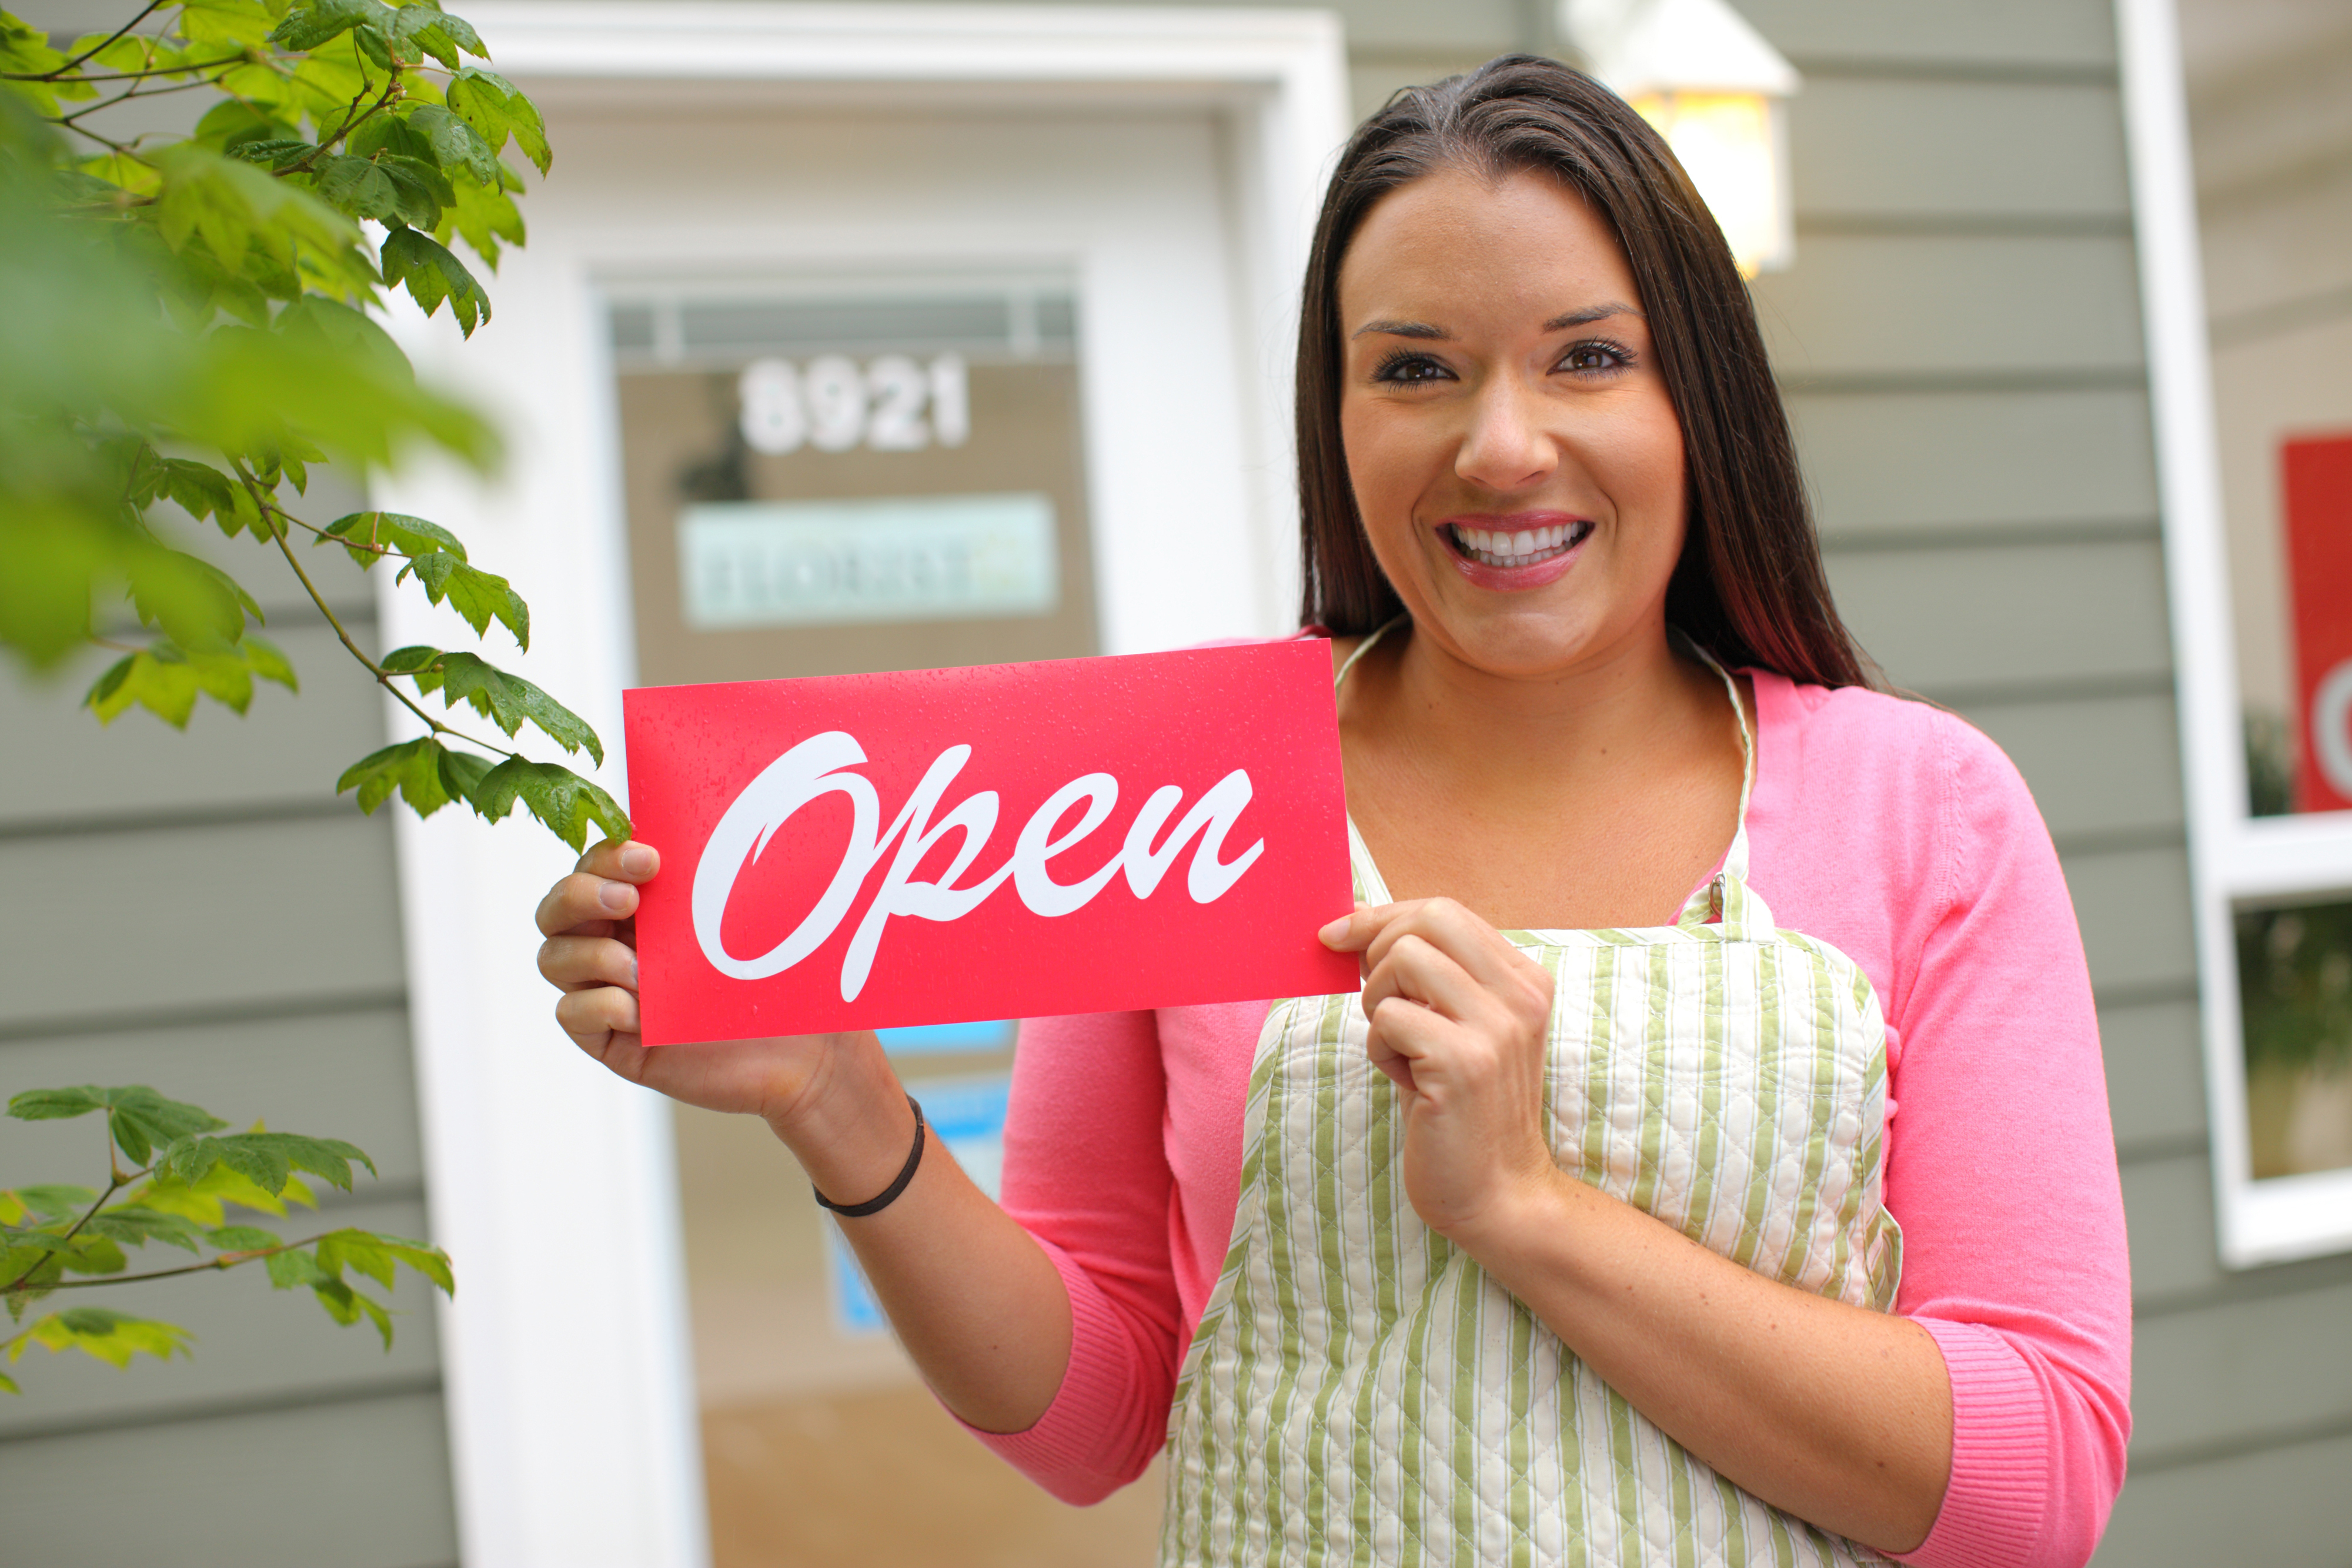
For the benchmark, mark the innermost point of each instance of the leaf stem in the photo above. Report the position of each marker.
(118, 1182)
(391, 86)
(123, 149)
(383, 677)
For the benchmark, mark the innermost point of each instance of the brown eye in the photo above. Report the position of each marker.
(1596, 357)
(1407, 369)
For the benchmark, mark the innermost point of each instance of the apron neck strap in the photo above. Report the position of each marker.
(1735, 860)
(1364, 647)
(1709, 904)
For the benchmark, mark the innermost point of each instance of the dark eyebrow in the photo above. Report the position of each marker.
(1424, 330)
(1589, 315)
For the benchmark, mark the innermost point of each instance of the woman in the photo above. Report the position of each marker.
(1527, 1261)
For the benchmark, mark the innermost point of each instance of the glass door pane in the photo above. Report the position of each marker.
(825, 476)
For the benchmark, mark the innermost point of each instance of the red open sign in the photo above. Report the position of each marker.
(1010, 841)
(2317, 483)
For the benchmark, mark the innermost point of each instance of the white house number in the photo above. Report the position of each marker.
(834, 404)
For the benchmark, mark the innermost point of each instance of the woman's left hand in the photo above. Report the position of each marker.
(1459, 1022)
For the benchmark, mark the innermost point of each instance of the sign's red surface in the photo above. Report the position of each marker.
(2318, 488)
(1012, 841)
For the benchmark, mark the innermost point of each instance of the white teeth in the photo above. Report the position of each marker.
(1496, 549)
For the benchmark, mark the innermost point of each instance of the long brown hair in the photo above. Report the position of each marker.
(1750, 586)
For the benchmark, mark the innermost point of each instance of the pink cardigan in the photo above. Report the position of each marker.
(1887, 827)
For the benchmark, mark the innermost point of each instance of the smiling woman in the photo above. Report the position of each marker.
(1587, 1232)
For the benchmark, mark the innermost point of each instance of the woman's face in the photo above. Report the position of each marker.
(1516, 458)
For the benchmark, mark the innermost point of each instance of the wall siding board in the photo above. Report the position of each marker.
(2134, 909)
(364, 1483)
(131, 922)
(2097, 766)
(252, 1344)
(2241, 1370)
(1920, 306)
(2275, 1505)
(287, 750)
(1863, 146)
(2155, 1072)
(1936, 464)
(2168, 1204)
(2014, 615)
(336, 1074)
(2020, 33)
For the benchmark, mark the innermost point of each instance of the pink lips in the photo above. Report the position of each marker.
(1514, 552)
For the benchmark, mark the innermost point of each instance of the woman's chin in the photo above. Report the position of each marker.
(1517, 639)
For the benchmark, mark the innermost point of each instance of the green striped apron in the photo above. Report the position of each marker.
(1358, 1392)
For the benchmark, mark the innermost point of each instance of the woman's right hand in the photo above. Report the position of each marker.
(589, 919)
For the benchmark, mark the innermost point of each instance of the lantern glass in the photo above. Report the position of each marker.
(1735, 149)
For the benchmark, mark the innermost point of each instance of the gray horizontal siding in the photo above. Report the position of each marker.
(1911, 309)
(256, 1349)
(1883, 150)
(1959, 622)
(2170, 1202)
(1962, 345)
(197, 911)
(1955, 466)
(2134, 908)
(2099, 768)
(2233, 1372)
(287, 752)
(2277, 1503)
(337, 1072)
(2156, 1073)
(149, 924)
(357, 1482)
(2013, 36)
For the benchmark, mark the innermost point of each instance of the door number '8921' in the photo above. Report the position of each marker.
(832, 404)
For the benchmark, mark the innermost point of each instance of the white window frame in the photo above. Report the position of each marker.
(567, 1364)
(2235, 860)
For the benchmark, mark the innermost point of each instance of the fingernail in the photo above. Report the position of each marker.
(616, 896)
(1336, 929)
(633, 973)
(636, 860)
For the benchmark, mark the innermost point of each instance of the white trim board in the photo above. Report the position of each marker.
(552, 1185)
(2232, 857)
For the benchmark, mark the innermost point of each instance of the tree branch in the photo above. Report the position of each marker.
(162, 70)
(125, 97)
(146, 11)
(225, 1260)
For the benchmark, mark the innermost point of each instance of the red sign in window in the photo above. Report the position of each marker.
(2318, 488)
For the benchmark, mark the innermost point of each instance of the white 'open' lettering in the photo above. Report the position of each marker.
(821, 766)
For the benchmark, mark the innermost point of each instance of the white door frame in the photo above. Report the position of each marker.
(567, 1368)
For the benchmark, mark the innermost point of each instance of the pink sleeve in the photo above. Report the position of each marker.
(1086, 1171)
(2002, 1171)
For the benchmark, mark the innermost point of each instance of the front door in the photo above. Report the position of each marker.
(837, 461)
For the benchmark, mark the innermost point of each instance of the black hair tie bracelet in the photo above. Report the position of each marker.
(889, 1194)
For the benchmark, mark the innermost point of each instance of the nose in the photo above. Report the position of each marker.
(1506, 446)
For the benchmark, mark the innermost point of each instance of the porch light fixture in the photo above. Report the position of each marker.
(1717, 92)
